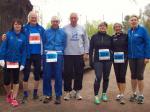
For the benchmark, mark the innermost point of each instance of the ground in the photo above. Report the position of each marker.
(86, 105)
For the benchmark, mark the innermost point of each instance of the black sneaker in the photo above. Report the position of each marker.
(58, 100)
(47, 99)
(24, 99)
(133, 98)
(140, 99)
(35, 97)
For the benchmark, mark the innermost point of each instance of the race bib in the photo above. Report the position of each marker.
(12, 64)
(118, 57)
(104, 54)
(51, 56)
(34, 38)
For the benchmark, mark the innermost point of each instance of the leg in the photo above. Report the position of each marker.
(37, 70)
(15, 82)
(47, 89)
(58, 79)
(117, 71)
(58, 76)
(7, 77)
(98, 67)
(106, 73)
(140, 73)
(68, 71)
(26, 73)
(78, 69)
(133, 69)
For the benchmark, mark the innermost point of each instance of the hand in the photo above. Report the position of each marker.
(146, 61)
(2, 63)
(85, 57)
(21, 67)
(3, 37)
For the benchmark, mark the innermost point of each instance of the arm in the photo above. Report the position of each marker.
(86, 42)
(147, 46)
(24, 52)
(91, 52)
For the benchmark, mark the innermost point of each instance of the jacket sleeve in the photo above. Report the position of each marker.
(3, 47)
(91, 49)
(65, 40)
(147, 44)
(24, 52)
(86, 42)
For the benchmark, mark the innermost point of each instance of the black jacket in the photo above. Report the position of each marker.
(120, 43)
(99, 41)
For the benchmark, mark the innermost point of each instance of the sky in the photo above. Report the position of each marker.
(110, 11)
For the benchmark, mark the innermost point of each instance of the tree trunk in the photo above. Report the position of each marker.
(10, 9)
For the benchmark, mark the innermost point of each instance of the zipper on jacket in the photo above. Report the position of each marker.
(132, 51)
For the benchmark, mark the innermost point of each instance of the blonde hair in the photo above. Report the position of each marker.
(31, 13)
(134, 16)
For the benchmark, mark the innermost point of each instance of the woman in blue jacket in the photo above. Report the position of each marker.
(138, 54)
(12, 58)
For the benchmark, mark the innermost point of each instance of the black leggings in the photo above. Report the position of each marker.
(137, 67)
(11, 74)
(120, 71)
(36, 60)
(102, 69)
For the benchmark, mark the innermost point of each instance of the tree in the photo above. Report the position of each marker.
(146, 17)
(126, 24)
(10, 9)
(91, 28)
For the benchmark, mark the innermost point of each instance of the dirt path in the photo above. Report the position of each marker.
(87, 105)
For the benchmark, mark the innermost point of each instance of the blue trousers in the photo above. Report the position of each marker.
(55, 69)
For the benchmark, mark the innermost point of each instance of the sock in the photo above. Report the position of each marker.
(25, 93)
(35, 92)
(134, 93)
(122, 95)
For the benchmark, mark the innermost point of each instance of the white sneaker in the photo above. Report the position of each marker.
(67, 96)
(78, 96)
(73, 94)
(118, 97)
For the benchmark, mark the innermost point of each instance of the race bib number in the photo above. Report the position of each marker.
(118, 57)
(104, 54)
(34, 38)
(12, 64)
(51, 56)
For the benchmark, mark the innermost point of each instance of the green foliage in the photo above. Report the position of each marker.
(91, 28)
(48, 25)
(126, 24)
(110, 30)
(146, 17)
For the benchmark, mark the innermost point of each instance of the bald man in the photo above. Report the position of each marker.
(54, 44)
(76, 50)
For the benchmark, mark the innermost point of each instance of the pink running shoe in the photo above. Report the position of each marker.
(14, 103)
(9, 98)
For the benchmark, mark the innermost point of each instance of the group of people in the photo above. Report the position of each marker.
(64, 50)
(118, 50)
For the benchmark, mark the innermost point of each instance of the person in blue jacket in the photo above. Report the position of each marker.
(12, 59)
(34, 34)
(54, 44)
(138, 54)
